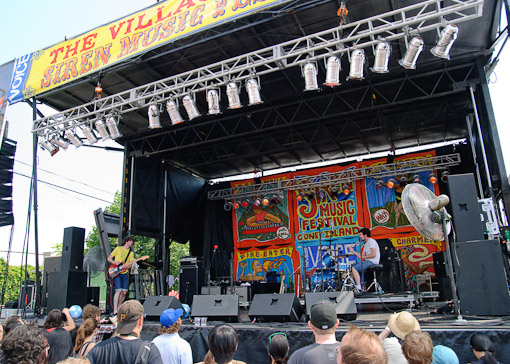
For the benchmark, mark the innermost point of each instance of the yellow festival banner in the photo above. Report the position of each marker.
(102, 47)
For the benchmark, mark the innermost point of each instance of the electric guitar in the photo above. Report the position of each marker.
(115, 270)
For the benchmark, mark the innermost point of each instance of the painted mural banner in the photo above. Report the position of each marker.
(161, 23)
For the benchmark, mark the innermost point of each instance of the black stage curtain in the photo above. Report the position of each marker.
(7, 153)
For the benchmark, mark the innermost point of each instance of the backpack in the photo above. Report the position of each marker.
(143, 353)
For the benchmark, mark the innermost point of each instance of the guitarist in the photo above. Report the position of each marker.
(122, 255)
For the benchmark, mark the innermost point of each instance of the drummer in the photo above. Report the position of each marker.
(370, 255)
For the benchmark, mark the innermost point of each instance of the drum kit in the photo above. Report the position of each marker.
(333, 274)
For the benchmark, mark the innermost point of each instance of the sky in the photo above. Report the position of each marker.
(95, 174)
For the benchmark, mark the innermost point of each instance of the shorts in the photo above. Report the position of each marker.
(121, 282)
(366, 264)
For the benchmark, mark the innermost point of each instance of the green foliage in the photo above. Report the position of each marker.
(13, 279)
(177, 251)
(57, 249)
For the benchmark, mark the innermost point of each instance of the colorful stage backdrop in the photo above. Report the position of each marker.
(288, 234)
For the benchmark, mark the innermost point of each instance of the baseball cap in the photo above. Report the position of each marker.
(170, 316)
(323, 315)
(128, 314)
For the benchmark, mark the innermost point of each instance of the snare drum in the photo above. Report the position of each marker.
(328, 261)
(344, 266)
(329, 276)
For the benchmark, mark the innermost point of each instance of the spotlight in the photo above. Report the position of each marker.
(413, 51)
(357, 63)
(416, 178)
(274, 200)
(265, 201)
(300, 196)
(390, 183)
(334, 190)
(403, 181)
(433, 178)
(445, 42)
(101, 128)
(172, 108)
(236, 205)
(253, 89)
(322, 193)
(89, 134)
(227, 206)
(379, 185)
(346, 190)
(111, 123)
(189, 104)
(382, 57)
(49, 147)
(73, 138)
(309, 72)
(213, 101)
(245, 203)
(444, 176)
(311, 195)
(256, 202)
(333, 68)
(56, 140)
(154, 113)
(234, 102)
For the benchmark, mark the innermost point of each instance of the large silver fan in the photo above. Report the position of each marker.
(421, 206)
(94, 261)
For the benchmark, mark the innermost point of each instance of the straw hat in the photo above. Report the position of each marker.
(403, 323)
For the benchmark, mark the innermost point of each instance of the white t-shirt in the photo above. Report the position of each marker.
(173, 349)
(367, 249)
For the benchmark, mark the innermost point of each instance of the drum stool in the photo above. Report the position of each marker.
(374, 268)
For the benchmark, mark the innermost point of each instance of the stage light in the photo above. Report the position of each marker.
(433, 178)
(265, 201)
(89, 134)
(346, 190)
(446, 38)
(73, 138)
(311, 195)
(49, 147)
(101, 128)
(379, 185)
(322, 193)
(61, 143)
(390, 183)
(444, 176)
(154, 112)
(300, 196)
(403, 181)
(236, 205)
(245, 203)
(334, 190)
(227, 206)
(213, 101)
(256, 202)
(382, 57)
(357, 64)
(253, 89)
(234, 101)
(172, 108)
(416, 178)
(274, 200)
(333, 68)
(413, 51)
(111, 123)
(189, 104)
(309, 72)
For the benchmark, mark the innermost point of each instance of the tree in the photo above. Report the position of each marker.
(14, 278)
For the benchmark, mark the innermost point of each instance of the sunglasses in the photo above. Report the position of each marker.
(276, 333)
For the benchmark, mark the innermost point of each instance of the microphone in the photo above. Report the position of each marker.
(215, 248)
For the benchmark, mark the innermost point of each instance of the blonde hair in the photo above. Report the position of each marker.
(364, 348)
(418, 347)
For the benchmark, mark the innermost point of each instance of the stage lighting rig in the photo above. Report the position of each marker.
(172, 109)
(357, 58)
(111, 123)
(234, 101)
(253, 89)
(73, 138)
(414, 49)
(190, 105)
(309, 72)
(333, 68)
(382, 56)
(154, 113)
(446, 38)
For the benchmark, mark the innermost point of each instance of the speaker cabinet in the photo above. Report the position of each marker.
(93, 295)
(343, 301)
(443, 280)
(66, 288)
(276, 307)
(155, 305)
(216, 307)
(72, 249)
(51, 264)
(465, 208)
(191, 281)
(481, 279)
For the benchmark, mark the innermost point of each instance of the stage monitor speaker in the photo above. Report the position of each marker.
(443, 280)
(72, 249)
(276, 307)
(66, 288)
(481, 279)
(465, 208)
(154, 306)
(93, 295)
(343, 301)
(191, 281)
(216, 307)
(51, 264)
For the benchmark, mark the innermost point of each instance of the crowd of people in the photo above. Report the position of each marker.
(401, 342)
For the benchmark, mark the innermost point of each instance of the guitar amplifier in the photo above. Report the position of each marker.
(192, 261)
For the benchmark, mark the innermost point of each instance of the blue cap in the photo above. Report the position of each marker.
(170, 316)
(444, 355)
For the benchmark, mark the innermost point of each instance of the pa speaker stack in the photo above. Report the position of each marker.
(216, 307)
(276, 307)
(344, 303)
(154, 306)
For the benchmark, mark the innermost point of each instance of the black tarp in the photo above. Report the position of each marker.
(7, 153)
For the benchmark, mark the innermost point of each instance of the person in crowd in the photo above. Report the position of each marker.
(91, 312)
(12, 322)
(1, 332)
(79, 360)
(84, 338)
(105, 327)
(278, 348)
(55, 319)
(223, 341)
(483, 348)
(361, 347)
(400, 324)
(61, 345)
(25, 344)
(323, 322)
(370, 254)
(127, 346)
(122, 255)
(444, 355)
(417, 347)
(208, 358)
(173, 349)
